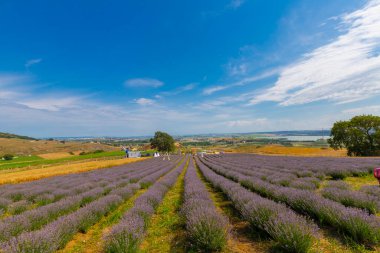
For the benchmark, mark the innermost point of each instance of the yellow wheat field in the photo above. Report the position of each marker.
(24, 174)
(288, 151)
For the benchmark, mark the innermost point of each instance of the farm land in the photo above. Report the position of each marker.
(215, 203)
(34, 159)
(266, 144)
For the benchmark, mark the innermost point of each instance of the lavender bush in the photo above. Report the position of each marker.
(72, 184)
(292, 233)
(337, 168)
(4, 203)
(129, 232)
(94, 192)
(126, 236)
(36, 218)
(306, 183)
(338, 184)
(357, 224)
(18, 207)
(353, 198)
(206, 228)
(56, 234)
(373, 190)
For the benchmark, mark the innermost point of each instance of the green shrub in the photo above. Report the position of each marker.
(8, 157)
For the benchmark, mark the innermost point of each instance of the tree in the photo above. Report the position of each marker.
(162, 142)
(8, 157)
(360, 135)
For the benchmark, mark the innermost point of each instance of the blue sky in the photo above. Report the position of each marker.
(125, 68)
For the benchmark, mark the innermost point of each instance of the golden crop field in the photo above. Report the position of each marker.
(57, 155)
(289, 151)
(29, 174)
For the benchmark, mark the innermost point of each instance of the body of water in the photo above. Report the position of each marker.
(297, 137)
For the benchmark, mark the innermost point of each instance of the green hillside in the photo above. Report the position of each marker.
(15, 136)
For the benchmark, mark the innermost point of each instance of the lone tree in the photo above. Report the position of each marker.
(360, 135)
(8, 157)
(162, 142)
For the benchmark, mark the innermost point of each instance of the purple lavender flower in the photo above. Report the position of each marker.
(358, 224)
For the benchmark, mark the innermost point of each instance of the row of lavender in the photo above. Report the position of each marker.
(326, 165)
(341, 192)
(206, 228)
(337, 168)
(302, 180)
(127, 235)
(355, 223)
(17, 198)
(50, 227)
(291, 232)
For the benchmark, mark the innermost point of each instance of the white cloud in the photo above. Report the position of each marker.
(234, 4)
(211, 90)
(143, 82)
(32, 62)
(8, 94)
(237, 69)
(20, 89)
(14, 85)
(344, 70)
(52, 103)
(189, 86)
(10, 79)
(144, 101)
(222, 101)
(244, 81)
(177, 91)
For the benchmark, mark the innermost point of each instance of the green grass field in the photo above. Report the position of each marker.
(26, 161)
(21, 159)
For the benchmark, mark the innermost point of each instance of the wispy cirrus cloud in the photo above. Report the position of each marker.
(9, 79)
(242, 82)
(143, 82)
(178, 90)
(31, 62)
(232, 5)
(10, 85)
(342, 71)
(52, 103)
(21, 89)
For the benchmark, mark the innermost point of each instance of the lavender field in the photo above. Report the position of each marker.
(44, 215)
(191, 204)
(287, 201)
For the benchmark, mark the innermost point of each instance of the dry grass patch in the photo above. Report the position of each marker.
(34, 147)
(357, 182)
(25, 174)
(56, 155)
